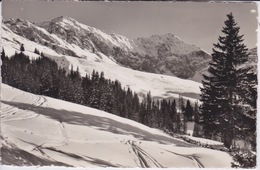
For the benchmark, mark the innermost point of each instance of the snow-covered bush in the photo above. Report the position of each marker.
(243, 159)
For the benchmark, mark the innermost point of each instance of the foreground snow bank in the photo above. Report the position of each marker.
(52, 131)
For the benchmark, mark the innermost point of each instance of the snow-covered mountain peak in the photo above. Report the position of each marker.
(63, 21)
(166, 36)
(84, 36)
(166, 42)
(63, 18)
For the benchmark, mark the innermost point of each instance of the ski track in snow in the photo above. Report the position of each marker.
(64, 134)
(9, 111)
(144, 158)
(192, 157)
(63, 142)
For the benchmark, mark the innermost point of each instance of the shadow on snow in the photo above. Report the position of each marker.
(101, 123)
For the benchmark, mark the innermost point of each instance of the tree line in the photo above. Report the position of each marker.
(43, 76)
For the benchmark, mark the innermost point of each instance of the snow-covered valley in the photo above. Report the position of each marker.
(50, 131)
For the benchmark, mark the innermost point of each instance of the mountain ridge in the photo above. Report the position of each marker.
(169, 52)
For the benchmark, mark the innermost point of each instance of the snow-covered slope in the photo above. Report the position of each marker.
(66, 53)
(39, 130)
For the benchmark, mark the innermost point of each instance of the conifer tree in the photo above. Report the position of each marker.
(3, 54)
(197, 121)
(189, 111)
(224, 88)
(173, 115)
(4, 66)
(143, 115)
(136, 107)
(22, 48)
(36, 51)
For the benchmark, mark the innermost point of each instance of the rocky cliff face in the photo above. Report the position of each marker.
(253, 55)
(253, 58)
(168, 54)
(164, 54)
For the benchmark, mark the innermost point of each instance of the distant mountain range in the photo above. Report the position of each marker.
(162, 54)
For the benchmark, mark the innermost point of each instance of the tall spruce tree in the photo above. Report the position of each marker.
(225, 87)
(189, 111)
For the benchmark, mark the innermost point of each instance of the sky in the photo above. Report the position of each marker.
(196, 23)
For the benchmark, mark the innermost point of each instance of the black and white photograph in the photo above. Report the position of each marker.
(129, 84)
